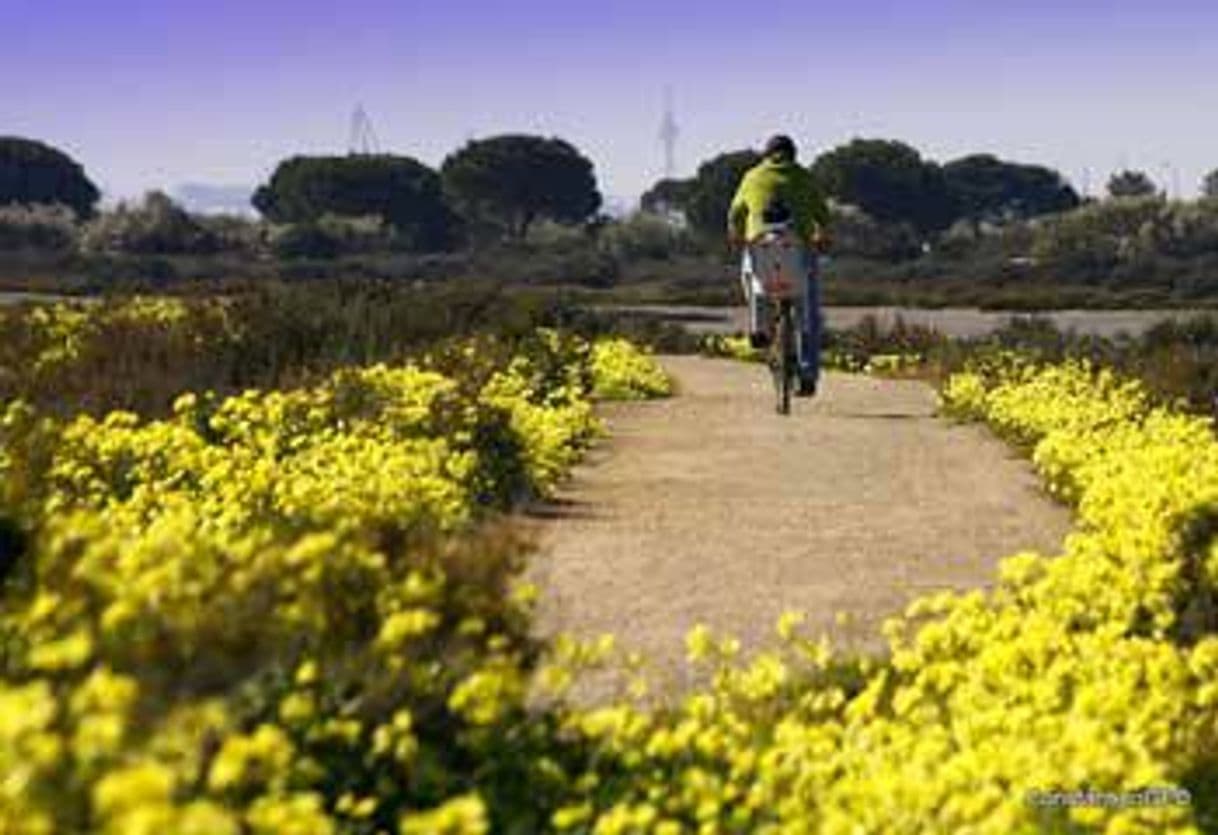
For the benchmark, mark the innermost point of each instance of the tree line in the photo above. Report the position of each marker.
(500, 187)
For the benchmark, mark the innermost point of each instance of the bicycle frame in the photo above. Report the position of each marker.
(776, 266)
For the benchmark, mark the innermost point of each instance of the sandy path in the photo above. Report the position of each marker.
(710, 508)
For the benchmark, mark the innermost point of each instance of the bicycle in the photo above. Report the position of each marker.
(783, 360)
(776, 265)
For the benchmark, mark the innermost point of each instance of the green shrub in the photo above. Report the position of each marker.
(156, 226)
(644, 235)
(234, 233)
(37, 227)
(308, 239)
(332, 236)
(854, 232)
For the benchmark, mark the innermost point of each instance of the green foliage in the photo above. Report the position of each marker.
(1095, 238)
(890, 181)
(505, 183)
(668, 195)
(157, 226)
(551, 236)
(32, 172)
(644, 235)
(305, 240)
(1131, 184)
(985, 187)
(331, 236)
(401, 191)
(710, 196)
(234, 233)
(854, 232)
(42, 227)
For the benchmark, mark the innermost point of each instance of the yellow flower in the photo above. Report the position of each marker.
(126, 789)
(401, 627)
(465, 815)
(261, 758)
(699, 644)
(67, 653)
(789, 623)
(293, 814)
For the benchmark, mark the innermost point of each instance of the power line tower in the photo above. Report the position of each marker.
(668, 135)
(363, 139)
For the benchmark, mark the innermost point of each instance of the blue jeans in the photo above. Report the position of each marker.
(807, 312)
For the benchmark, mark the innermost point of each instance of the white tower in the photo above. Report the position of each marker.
(668, 135)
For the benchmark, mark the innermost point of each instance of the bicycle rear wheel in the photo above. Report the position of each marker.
(782, 362)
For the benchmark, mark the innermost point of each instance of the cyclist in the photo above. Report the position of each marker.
(779, 191)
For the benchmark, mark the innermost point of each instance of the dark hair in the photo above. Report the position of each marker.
(780, 146)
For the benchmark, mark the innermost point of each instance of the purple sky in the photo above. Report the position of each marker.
(152, 93)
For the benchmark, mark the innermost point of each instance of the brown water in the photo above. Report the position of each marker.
(957, 322)
(7, 298)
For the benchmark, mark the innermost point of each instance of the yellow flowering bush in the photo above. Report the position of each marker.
(892, 363)
(731, 347)
(290, 612)
(281, 611)
(623, 371)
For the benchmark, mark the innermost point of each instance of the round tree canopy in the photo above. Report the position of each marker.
(507, 182)
(402, 191)
(33, 172)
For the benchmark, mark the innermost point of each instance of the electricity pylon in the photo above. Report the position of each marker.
(363, 139)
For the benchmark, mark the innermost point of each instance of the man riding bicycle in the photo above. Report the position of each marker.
(779, 193)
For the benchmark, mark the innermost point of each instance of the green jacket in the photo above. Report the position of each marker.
(786, 181)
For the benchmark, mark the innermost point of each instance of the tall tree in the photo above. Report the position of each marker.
(505, 183)
(984, 187)
(708, 200)
(890, 181)
(402, 191)
(1131, 184)
(32, 172)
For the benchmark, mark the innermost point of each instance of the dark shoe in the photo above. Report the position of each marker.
(759, 340)
(807, 388)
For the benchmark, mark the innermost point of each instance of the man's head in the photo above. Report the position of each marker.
(781, 148)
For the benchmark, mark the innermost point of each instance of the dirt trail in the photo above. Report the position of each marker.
(710, 508)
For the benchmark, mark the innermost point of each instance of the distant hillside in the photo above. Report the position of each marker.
(215, 199)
